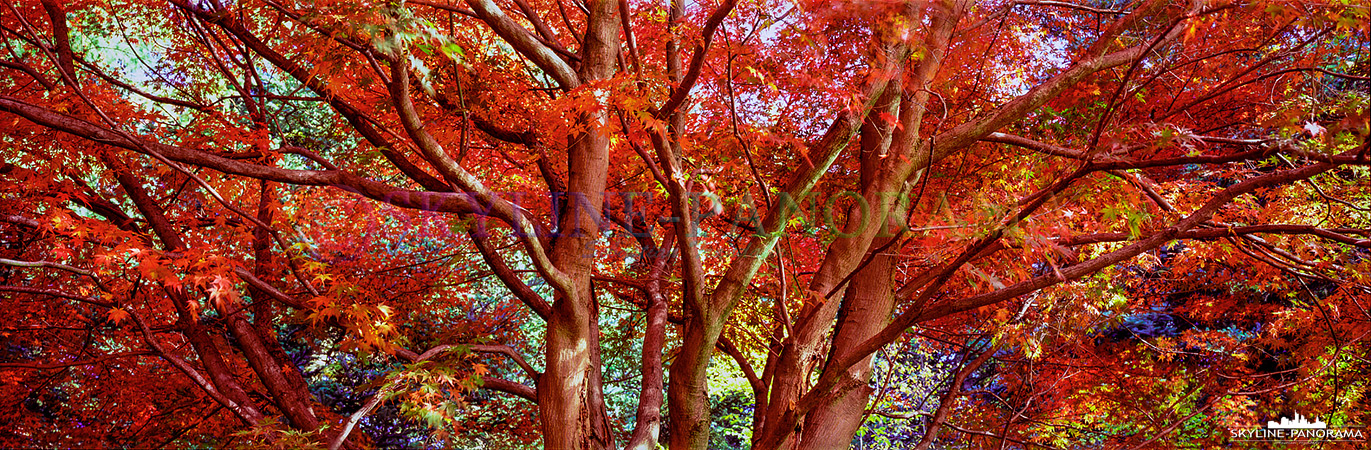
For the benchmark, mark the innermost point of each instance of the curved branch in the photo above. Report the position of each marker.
(248, 413)
(258, 283)
(545, 34)
(448, 8)
(19, 220)
(430, 201)
(486, 382)
(354, 116)
(511, 280)
(357, 417)
(1078, 270)
(732, 351)
(525, 43)
(1104, 162)
(509, 387)
(58, 294)
(697, 61)
(141, 93)
(451, 170)
(476, 348)
(1094, 60)
(953, 391)
(1332, 234)
(30, 72)
(84, 362)
(53, 265)
(510, 353)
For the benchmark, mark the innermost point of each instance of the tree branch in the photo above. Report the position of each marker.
(84, 362)
(1069, 6)
(511, 280)
(528, 232)
(697, 61)
(525, 43)
(258, 283)
(248, 413)
(509, 387)
(954, 390)
(430, 201)
(58, 294)
(354, 116)
(916, 313)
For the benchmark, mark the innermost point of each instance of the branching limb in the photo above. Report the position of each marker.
(58, 294)
(431, 201)
(506, 350)
(526, 43)
(697, 61)
(366, 126)
(248, 413)
(488, 382)
(509, 387)
(59, 266)
(917, 313)
(453, 172)
(997, 436)
(258, 283)
(954, 390)
(84, 362)
(509, 277)
(47, 84)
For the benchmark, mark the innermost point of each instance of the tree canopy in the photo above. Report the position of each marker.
(588, 224)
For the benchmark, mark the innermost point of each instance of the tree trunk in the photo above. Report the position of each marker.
(687, 390)
(648, 426)
(868, 301)
(570, 407)
(884, 180)
(867, 308)
(570, 401)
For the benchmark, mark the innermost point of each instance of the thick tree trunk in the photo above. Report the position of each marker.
(687, 393)
(569, 405)
(570, 401)
(805, 349)
(867, 308)
(883, 182)
(869, 299)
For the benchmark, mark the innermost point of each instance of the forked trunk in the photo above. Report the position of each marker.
(867, 307)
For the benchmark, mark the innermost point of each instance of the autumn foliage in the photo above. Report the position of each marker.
(587, 224)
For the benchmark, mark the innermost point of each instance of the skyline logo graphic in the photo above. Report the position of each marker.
(1298, 430)
(1298, 423)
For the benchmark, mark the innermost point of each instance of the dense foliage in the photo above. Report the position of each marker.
(586, 224)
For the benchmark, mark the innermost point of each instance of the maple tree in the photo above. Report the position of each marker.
(595, 224)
